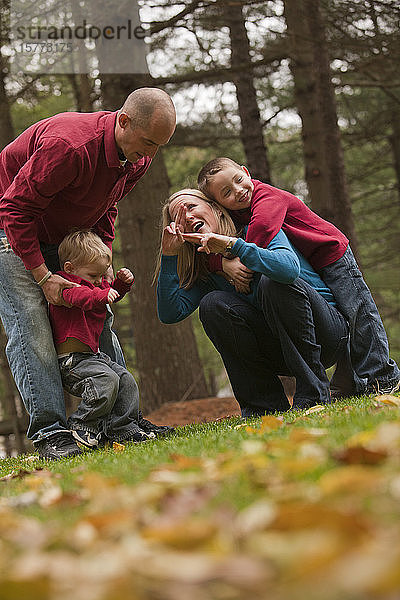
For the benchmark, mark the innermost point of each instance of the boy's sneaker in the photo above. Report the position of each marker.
(149, 427)
(56, 446)
(86, 438)
(138, 435)
(389, 389)
(103, 440)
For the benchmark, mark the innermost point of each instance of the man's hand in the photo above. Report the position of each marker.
(125, 275)
(237, 274)
(112, 295)
(54, 287)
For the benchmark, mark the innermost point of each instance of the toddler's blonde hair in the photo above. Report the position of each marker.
(83, 247)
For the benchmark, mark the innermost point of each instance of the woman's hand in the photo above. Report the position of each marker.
(237, 274)
(172, 239)
(208, 242)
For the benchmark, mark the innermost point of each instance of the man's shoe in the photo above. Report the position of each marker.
(158, 430)
(86, 438)
(59, 445)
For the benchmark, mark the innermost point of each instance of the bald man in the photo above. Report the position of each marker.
(66, 172)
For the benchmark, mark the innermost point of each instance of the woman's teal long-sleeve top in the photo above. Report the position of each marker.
(280, 261)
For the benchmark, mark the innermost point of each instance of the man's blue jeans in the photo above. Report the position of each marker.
(30, 348)
(110, 395)
(369, 348)
(296, 333)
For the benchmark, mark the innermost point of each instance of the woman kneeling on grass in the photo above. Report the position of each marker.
(286, 324)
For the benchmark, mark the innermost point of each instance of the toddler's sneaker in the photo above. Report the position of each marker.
(138, 435)
(86, 438)
(149, 427)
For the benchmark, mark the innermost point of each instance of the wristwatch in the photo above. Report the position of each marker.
(230, 244)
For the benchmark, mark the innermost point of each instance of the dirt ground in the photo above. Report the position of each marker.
(201, 410)
(204, 410)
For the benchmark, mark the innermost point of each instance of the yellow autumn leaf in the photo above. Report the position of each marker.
(300, 434)
(315, 409)
(184, 535)
(389, 400)
(118, 447)
(361, 438)
(299, 515)
(299, 464)
(350, 479)
(268, 423)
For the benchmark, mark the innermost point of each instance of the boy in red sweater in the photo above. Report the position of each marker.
(109, 410)
(266, 210)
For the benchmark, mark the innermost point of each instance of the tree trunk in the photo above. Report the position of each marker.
(251, 131)
(81, 83)
(394, 140)
(167, 357)
(301, 65)
(315, 99)
(338, 191)
(83, 92)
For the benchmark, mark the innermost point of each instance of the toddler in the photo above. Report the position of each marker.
(109, 410)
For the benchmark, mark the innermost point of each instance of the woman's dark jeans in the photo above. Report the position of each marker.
(296, 333)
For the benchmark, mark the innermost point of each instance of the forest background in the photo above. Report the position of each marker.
(306, 93)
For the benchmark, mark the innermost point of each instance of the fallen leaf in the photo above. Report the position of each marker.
(184, 535)
(34, 589)
(301, 515)
(268, 423)
(180, 462)
(352, 478)
(315, 409)
(20, 474)
(389, 399)
(360, 454)
(118, 447)
(299, 434)
(255, 517)
(51, 495)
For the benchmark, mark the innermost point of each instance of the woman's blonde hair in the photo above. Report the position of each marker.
(82, 247)
(193, 265)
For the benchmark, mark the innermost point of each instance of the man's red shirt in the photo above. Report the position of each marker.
(63, 173)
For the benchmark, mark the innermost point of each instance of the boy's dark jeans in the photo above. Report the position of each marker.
(110, 396)
(369, 348)
(296, 333)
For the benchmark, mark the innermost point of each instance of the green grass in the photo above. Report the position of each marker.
(343, 419)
